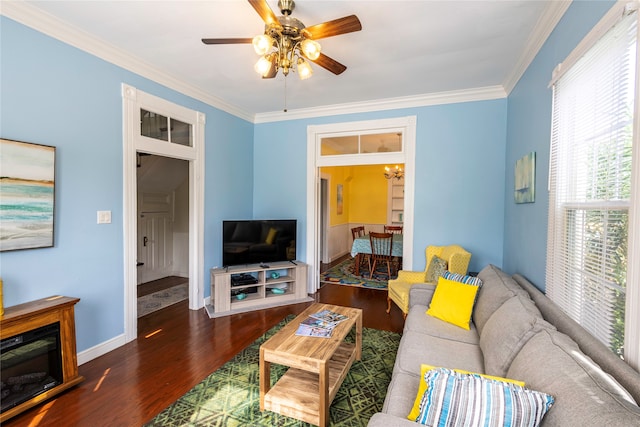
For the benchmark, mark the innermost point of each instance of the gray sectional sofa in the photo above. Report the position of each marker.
(518, 333)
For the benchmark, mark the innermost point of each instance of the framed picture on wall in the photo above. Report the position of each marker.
(525, 179)
(339, 199)
(27, 195)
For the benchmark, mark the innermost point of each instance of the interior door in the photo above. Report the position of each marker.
(155, 234)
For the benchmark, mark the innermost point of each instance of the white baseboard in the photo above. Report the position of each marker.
(101, 349)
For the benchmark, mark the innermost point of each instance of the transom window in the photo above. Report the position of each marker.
(361, 144)
(156, 126)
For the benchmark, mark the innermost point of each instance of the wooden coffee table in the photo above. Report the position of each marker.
(317, 366)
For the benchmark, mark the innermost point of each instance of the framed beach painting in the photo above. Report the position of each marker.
(27, 180)
(525, 179)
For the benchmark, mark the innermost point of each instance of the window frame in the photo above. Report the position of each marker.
(632, 300)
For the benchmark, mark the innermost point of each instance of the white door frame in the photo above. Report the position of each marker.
(315, 133)
(133, 100)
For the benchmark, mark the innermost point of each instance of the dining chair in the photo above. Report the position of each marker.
(394, 229)
(359, 232)
(381, 244)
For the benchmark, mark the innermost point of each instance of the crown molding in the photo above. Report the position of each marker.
(439, 98)
(45, 23)
(541, 32)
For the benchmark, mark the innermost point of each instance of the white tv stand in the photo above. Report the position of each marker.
(276, 283)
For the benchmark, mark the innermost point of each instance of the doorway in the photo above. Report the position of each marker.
(162, 232)
(180, 135)
(363, 149)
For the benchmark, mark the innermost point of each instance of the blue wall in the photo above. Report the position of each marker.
(529, 129)
(54, 94)
(460, 151)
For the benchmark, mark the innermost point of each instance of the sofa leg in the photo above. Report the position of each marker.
(388, 305)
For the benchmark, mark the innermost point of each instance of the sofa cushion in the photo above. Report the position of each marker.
(454, 399)
(453, 302)
(416, 348)
(463, 278)
(419, 321)
(493, 293)
(415, 410)
(585, 395)
(400, 394)
(504, 334)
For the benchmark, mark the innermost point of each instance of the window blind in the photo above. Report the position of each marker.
(590, 184)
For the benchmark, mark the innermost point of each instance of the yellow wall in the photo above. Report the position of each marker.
(364, 194)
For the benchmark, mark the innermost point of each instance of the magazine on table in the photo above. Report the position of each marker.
(317, 323)
(313, 331)
(329, 316)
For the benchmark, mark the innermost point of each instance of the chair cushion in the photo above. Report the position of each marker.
(453, 302)
(454, 399)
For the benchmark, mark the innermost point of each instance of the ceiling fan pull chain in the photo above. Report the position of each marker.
(285, 93)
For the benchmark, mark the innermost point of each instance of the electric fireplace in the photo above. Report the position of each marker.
(38, 357)
(30, 364)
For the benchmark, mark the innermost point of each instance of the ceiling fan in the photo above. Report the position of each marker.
(287, 43)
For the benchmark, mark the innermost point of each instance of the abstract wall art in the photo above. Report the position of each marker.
(27, 179)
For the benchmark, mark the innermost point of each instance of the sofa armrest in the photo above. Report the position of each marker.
(385, 420)
(421, 294)
(411, 276)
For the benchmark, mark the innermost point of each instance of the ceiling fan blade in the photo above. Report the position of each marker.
(348, 24)
(264, 11)
(227, 41)
(330, 64)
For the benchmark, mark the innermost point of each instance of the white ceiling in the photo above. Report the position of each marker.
(406, 49)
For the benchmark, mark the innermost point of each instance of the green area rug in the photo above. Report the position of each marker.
(231, 395)
(345, 274)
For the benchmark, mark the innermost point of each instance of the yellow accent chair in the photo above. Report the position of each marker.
(457, 259)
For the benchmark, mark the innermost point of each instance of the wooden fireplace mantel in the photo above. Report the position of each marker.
(26, 317)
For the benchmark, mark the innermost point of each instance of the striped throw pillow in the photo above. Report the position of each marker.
(455, 399)
(469, 280)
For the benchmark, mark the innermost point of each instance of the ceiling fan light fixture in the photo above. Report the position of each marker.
(262, 44)
(264, 65)
(304, 69)
(310, 49)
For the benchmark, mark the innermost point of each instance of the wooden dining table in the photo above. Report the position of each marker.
(362, 245)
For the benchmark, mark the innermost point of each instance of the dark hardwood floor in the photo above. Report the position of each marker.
(176, 348)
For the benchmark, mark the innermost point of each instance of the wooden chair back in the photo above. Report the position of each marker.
(358, 232)
(394, 229)
(381, 245)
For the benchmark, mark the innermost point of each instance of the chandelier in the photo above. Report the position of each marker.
(395, 172)
(285, 45)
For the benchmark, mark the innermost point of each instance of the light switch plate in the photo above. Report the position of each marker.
(104, 217)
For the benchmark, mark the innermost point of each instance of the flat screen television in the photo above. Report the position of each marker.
(258, 241)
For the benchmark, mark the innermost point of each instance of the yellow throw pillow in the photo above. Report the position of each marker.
(415, 411)
(453, 302)
(271, 236)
